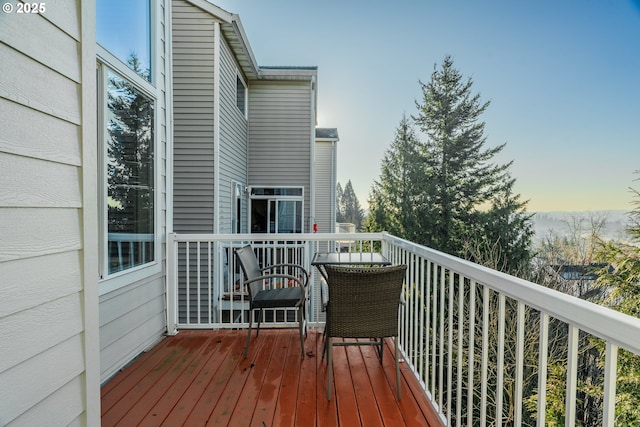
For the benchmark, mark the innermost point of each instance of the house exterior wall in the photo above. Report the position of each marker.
(204, 152)
(132, 310)
(193, 102)
(281, 125)
(49, 372)
(233, 142)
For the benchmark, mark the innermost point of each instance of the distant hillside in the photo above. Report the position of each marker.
(558, 223)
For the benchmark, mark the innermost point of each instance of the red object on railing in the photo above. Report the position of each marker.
(315, 228)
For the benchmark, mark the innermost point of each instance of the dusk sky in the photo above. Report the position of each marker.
(563, 78)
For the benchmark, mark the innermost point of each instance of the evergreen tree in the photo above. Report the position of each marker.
(394, 202)
(352, 212)
(446, 192)
(339, 205)
(508, 228)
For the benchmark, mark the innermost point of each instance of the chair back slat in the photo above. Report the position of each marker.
(363, 302)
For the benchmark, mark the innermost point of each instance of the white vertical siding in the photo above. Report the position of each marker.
(132, 306)
(45, 296)
(280, 120)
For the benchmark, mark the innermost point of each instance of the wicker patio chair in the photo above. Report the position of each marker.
(363, 303)
(261, 284)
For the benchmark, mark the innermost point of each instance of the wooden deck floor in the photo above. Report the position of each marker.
(199, 378)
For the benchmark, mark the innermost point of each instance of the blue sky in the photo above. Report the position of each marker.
(563, 78)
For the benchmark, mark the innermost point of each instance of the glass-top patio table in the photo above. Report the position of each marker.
(347, 258)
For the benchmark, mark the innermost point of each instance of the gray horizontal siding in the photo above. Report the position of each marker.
(233, 140)
(193, 125)
(280, 132)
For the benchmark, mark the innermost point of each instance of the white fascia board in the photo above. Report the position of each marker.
(230, 20)
(242, 37)
(212, 9)
(288, 73)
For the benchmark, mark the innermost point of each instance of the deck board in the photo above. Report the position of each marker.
(199, 378)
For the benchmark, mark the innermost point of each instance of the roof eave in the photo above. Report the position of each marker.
(233, 32)
(288, 73)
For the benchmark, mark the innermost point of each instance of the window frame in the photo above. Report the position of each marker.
(277, 198)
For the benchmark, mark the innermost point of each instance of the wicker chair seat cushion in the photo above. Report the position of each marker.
(281, 297)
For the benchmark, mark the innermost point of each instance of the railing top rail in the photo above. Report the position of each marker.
(618, 328)
(262, 237)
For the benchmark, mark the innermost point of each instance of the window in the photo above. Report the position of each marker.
(129, 170)
(241, 95)
(123, 27)
(127, 107)
(277, 209)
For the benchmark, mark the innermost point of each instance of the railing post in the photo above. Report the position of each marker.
(171, 288)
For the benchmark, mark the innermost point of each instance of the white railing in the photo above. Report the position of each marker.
(205, 282)
(475, 338)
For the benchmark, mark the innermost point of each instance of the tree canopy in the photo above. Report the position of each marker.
(447, 192)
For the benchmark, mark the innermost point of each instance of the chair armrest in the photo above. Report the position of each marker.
(324, 293)
(274, 276)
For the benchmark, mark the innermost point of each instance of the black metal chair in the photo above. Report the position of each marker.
(262, 282)
(363, 303)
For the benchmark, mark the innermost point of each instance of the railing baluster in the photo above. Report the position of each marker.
(460, 349)
(188, 284)
(209, 284)
(427, 319)
(434, 332)
(542, 368)
(610, 372)
(485, 355)
(441, 360)
(519, 364)
(414, 325)
(408, 324)
(450, 346)
(500, 362)
(572, 376)
(198, 286)
(471, 352)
